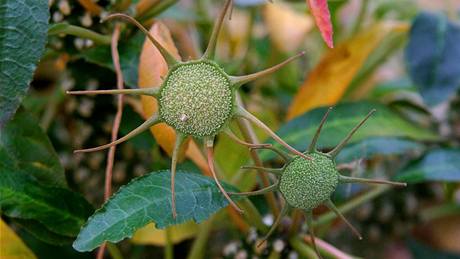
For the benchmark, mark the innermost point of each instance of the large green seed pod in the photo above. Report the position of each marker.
(305, 184)
(196, 99)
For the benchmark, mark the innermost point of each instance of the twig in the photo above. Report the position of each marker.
(116, 123)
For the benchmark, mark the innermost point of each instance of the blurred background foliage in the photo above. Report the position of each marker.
(401, 57)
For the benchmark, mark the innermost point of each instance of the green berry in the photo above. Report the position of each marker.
(305, 184)
(196, 99)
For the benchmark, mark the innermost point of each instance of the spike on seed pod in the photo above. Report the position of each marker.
(196, 98)
(306, 184)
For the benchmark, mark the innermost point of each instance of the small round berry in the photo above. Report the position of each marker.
(305, 184)
(196, 99)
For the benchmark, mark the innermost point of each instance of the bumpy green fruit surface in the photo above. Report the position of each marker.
(196, 99)
(305, 184)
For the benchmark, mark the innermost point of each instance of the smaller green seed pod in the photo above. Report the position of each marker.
(306, 184)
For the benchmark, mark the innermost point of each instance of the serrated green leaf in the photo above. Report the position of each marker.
(23, 32)
(25, 147)
(436, 165)
(148, 199)
(384, 123)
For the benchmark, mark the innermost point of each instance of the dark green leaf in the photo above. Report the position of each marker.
(384, 123)
(423, 251)
(25, 147)
(32, 182)
(60, 210)
(148, 199)
(40, 232)
(23, 30)
(433, 55)
(436, 165)
(370, 147)
(129, 50)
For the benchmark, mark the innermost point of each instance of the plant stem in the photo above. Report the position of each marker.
(328, 249)
(64, 28)
(304, 250)
(252, 215)
(249, 136)
(199, 246)
(114, 251)
(360, 18)
(169, 248)
(353, 203)
(116, 122)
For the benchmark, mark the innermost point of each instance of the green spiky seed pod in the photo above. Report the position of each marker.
(196, 98)
(305, 184)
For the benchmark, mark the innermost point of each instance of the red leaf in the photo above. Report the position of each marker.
(320, 11)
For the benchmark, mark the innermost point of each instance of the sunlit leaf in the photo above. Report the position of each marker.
(12, 247)
(23, 28)
(328, 81)
(148, 199)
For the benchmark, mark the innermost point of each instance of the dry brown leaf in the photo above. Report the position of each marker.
(11, 246)
(286, 27)
(328, 81)
(149, 235)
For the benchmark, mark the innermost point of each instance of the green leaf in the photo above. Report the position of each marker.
(433, 55)
(148, 199)
(370, 147)
(23, 33)
(25, 147)
(40, 232)
(436, 165)
(60, 210)
(32, 182)
(384, 123)
(129, 49)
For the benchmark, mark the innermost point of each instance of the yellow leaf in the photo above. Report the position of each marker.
(286, 27)
(328, 81)
(11, 246)
(149, 235)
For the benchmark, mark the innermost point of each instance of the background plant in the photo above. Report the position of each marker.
(399, 57)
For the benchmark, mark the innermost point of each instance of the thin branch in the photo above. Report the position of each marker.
(116, 123)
